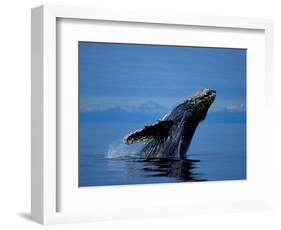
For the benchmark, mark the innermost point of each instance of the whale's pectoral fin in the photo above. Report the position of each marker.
(151, 132)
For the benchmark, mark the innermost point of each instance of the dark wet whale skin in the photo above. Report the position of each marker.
(171, 136)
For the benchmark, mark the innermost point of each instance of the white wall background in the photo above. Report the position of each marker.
(15, 113)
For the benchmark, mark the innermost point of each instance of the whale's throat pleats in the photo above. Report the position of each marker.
(150, 132)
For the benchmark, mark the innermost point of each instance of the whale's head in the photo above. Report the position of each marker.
(200, 103)
(194, 109)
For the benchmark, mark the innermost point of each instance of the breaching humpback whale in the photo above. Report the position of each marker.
(171, 136)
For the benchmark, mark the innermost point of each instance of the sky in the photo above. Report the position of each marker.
(134, 76)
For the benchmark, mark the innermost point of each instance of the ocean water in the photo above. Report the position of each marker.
(217, 152)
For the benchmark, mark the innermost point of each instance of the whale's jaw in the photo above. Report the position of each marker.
(171, 136)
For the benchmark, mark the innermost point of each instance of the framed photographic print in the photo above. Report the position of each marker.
(142, 114)
(130, 87)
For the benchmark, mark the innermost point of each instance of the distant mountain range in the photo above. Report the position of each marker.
(148, 107)
(151, 112)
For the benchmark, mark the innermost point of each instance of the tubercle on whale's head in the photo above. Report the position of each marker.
(205, 95)
(201, 101)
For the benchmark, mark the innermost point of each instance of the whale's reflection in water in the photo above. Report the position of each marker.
(179, 169)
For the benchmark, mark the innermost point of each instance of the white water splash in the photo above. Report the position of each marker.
(118, 149)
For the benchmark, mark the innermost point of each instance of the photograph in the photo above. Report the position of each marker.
(154, 113)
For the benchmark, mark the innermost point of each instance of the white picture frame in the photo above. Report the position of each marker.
(50, 205)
